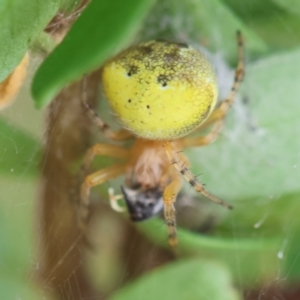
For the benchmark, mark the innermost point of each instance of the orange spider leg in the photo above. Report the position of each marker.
(92, 180)
(202, 140)
(180, 165)
(169, 197)
(100, 176)
(106, 150)
(221, 111)
(120, 135)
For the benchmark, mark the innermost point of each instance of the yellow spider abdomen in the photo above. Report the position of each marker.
(160, 90)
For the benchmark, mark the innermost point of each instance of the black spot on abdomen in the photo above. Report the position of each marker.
(132, 70)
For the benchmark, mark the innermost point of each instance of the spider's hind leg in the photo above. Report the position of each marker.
(120, 135)
(220, 113)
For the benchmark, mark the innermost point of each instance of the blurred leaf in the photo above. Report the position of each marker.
(270, 20)
(211, 23)
(292, 6)
(290, 254)
(253, 10)
(20, 22)
(249, 259)
(262, 219)
(191, 279)
(69, 5)
(19, 153)
(43, 43)
(103, 28)
(281, 31)
(17, 253)
(11, 288)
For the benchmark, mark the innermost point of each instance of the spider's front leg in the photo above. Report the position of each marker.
(169, 198)
(99, 177)
(180, 164)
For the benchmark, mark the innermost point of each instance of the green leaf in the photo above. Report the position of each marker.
(17, 252)
(103, 28)
(292, 6)
(248, 259)
(11, 288)
(209, 22)
(190, 280)
(290, 252)
(279, 35)
(20, 22)
(262, 220)
(19, 152)
(271, 20)
(69, 5)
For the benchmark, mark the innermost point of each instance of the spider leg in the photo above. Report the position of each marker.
(202, 140)
(219, 113)
(103, 149)
(180, 165)
(169, 197)
(120, 135)
(98, 177)
(92, 180)
(238, 78)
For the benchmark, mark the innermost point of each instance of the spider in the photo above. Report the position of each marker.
(160, 92)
